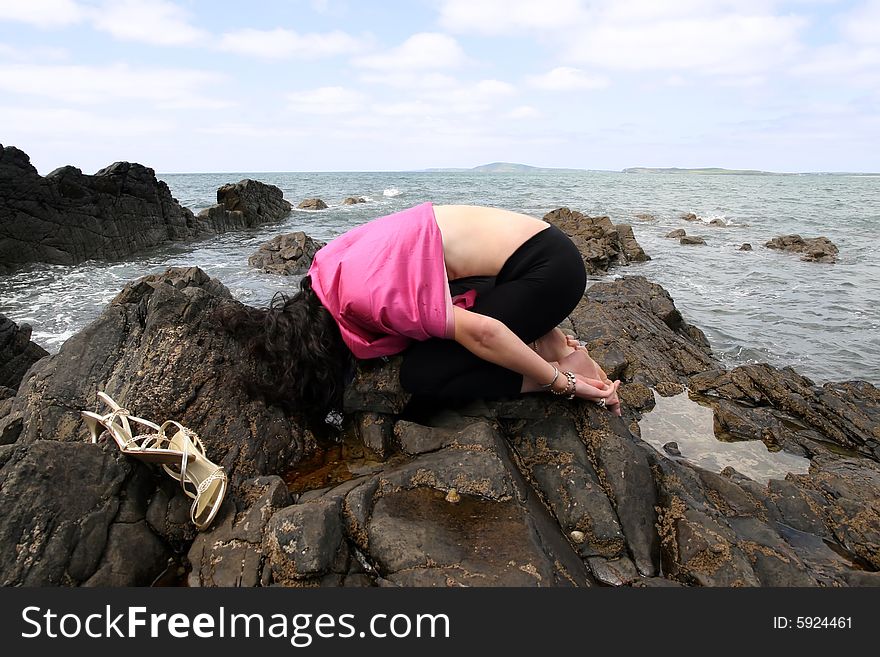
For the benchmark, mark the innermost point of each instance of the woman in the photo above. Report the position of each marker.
(384, 288)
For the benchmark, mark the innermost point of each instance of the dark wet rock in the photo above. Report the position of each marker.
(745, 247)
(303, 540)
(68, 217)
(376, 431)
(613, 572)
(419, 539)
(689, 216)
(157, 350)
(691, 240)
(232, 552)
(73, 514)
(675, 234)
(671, 448)
(554, 458)
(17, 353)
(631, 248)
(789, 409)
(245, 204)
(601, 243)
(626, 475)
(353, 200)
(376, 387)
(289, 254)
(633, 329)
(312, 204)
(814, 249)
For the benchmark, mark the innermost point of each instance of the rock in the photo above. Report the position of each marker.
(633, 330)
(613, 572)
(718, 222)
(17, 352)
(376, 431)
(68, 217)
(814, 249)
(312, 204)
(631, 248)
(601, 244)
(745, 247)
(671, 448)
(303, 540)
(692, 239)
(554, 459)
(645, 216)
(847, 415)
(352, 200)
(626, 474)
(64, 521)
(157, 350)
(289, 254)
(678, 232)
(245, 204)
(231, 553)
(689, 216)
(376, 387)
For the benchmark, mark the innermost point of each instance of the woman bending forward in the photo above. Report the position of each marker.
(471, 295)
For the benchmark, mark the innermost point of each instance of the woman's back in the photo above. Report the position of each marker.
(477, 241)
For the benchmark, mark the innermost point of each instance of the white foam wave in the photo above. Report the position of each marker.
(391, 192)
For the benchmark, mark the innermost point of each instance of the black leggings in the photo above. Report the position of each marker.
(537, 288)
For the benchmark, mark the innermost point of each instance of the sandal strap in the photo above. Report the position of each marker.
(219, 473)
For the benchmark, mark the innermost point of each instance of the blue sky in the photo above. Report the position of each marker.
(344, 85)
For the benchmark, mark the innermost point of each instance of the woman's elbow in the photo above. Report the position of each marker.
(487, 332)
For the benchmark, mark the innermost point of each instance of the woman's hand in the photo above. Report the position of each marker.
(580, 362)
(595, 390)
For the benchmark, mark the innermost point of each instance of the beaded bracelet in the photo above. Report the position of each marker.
(569, 389)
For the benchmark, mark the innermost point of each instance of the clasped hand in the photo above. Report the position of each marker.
(592, 382)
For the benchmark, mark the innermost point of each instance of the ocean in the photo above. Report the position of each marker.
(754, 306)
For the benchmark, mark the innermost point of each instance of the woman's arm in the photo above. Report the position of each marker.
(492, 341)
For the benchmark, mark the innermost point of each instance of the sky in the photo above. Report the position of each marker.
(379, 85)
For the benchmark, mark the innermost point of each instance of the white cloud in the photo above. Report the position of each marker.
(523, 112)
(731, 37)
(506, 16)
(862, 25)
(32, 53)
(250, 130)
(69, 123)
(42, 13)
(157, 22)
(725, 44)
(282, 43)
(163, 88)
(842, 63)
(326, 100)
(423, 51)
(566, 78)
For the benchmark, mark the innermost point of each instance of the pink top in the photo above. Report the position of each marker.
(385, 283)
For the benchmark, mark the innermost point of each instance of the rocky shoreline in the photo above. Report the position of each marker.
(68, 217)
(531, 491)
(526, 492)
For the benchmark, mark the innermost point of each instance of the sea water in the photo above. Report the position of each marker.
(754, 306)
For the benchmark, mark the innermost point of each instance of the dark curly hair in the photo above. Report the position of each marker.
(299, 344)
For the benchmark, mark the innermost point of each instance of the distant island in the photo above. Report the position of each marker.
(710, 171)
(513, 167)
